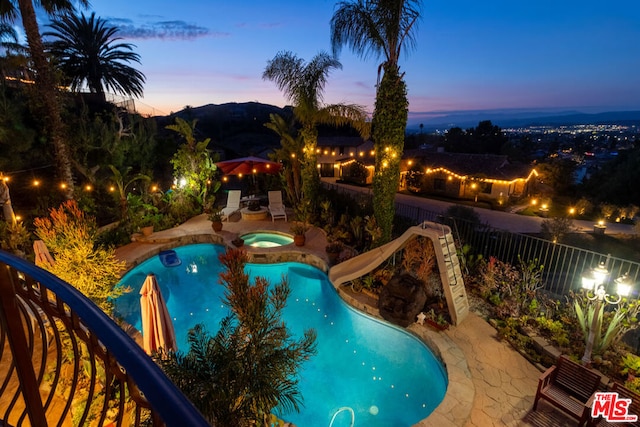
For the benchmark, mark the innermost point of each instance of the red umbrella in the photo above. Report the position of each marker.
(248, 165)
(157, 328)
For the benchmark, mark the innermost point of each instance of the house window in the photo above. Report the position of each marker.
(327, 170)
(439, 184)
(486, 187)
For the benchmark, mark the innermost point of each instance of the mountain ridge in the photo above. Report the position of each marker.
(259, 113)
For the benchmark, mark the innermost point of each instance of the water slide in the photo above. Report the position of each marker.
(448, 265)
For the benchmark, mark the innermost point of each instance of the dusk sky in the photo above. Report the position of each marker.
(500, 54)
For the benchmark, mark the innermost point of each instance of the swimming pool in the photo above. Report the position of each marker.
(385, 375)
(266, 239)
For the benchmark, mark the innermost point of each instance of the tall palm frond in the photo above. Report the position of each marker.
(87, 52)
(379, 28)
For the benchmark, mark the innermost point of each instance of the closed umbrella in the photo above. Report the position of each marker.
(248, 165)
(42, 256)
(157, 328)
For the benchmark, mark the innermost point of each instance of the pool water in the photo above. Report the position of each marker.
(385, 375)
(265, 239)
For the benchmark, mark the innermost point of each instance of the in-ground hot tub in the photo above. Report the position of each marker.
(266, 239)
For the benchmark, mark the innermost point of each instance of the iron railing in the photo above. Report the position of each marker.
(563, 264)
(64, 362)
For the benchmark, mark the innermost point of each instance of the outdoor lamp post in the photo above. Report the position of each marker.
(594, 280)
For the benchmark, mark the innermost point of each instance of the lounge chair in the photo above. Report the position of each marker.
(276, 207)
(233, 205)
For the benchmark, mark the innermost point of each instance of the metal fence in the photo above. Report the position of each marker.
(563, 264)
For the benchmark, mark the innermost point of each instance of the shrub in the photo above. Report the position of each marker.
(555, 229)
(92, 269)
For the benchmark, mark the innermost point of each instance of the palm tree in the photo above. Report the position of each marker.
(303, 84)
(45, 77)
(87, 53)
(381, 28)
(288, 155)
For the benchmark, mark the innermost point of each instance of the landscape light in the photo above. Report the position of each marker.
(594, 280)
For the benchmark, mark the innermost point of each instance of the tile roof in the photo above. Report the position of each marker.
(479, 165)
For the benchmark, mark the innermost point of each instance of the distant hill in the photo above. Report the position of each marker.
(518, 118)
(237, 128)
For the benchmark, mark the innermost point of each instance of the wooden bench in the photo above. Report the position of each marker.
(568, 386)
(633, 409)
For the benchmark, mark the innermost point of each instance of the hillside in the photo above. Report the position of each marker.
(236, 128)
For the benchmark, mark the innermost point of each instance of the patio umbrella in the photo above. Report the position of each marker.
(248, 165)
(157, 328)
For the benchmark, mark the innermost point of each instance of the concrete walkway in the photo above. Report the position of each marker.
(490, 384)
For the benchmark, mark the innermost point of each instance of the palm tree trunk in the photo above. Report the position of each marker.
(45, 85)
(389, 123)
(310, 176)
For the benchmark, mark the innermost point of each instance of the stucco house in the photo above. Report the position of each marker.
(346, 158)
(466, 176)
(485, 177)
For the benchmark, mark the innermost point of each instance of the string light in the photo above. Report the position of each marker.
(63, 186)
(36, 183)
(112, 189)
(88, 187)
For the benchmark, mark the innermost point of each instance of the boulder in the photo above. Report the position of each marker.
(402, 299)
